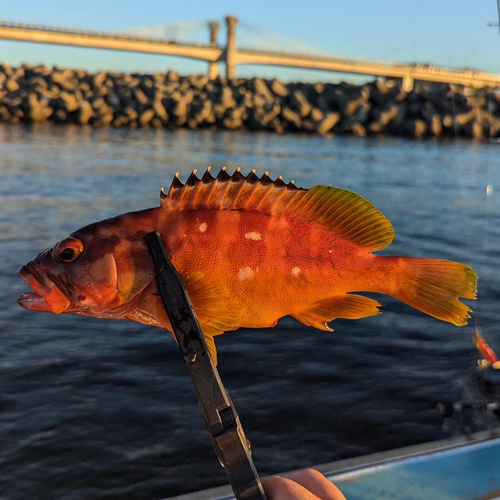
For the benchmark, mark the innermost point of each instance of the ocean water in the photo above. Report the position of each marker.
(101, 409)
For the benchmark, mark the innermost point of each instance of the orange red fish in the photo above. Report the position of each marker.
(250, 250)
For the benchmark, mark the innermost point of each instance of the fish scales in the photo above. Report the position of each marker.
(252, 256)
(250, 251)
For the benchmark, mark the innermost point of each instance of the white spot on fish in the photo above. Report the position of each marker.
(330, 251)
(296, 271)
(254, 235)
(245, 273)
(203, 227)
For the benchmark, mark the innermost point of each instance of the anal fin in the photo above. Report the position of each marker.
(340, 306)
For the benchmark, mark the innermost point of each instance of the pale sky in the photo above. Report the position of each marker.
(452, 33)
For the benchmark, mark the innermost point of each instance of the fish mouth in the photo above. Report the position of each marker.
(46, 296)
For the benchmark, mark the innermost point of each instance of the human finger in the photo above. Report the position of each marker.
(316, 483)
(280, 488)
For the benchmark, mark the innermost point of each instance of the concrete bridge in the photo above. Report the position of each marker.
(233, 56)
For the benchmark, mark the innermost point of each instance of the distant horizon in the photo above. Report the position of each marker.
(443, 33)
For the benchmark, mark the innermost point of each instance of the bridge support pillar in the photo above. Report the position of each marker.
(231, 47)
(213, 66)
(408, 83)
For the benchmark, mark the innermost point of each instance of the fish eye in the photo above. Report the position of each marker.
(68, 250)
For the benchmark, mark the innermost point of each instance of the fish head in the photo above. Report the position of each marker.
(99, 270)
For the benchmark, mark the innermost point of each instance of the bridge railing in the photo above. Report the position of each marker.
(96, 33)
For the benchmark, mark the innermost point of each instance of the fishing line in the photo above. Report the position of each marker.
(486, 122)
(488, 193)
(477, 316)
(461, 181)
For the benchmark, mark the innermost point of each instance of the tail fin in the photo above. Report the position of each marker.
(433, 287)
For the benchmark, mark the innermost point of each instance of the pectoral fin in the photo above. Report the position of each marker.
(340, 306)
(210, 332)
(211, 348)
(209, 303)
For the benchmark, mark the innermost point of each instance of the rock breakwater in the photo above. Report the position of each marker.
(37, 94)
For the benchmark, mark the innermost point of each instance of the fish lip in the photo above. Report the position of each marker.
(49, 292)
(28, 272)
(32, 300)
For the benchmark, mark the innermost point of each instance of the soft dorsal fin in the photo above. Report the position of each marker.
(342, 212)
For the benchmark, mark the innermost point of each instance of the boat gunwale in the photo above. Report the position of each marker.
(343, 469)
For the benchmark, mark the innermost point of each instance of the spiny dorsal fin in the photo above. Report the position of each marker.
(343, 212)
